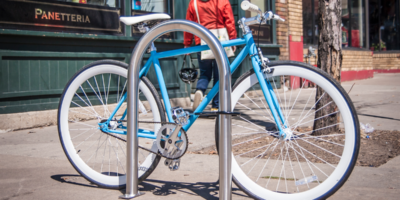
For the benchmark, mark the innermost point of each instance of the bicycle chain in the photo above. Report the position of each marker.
(157, 153)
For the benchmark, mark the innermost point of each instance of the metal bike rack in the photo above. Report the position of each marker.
(225, 175)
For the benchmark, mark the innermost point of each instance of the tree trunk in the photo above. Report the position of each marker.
(330, 61)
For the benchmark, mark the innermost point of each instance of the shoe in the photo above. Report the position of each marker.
(198, 96)
(214, 109)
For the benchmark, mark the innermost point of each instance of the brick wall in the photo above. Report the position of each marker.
(386, 61)
(352, 60)
(356, 60)
(295, 11)
(292, 12)
(282, 37)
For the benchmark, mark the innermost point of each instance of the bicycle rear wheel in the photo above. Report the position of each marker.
(89, 99)
(309, 164)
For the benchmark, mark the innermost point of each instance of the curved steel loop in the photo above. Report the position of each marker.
(196, 29)
(224, 102)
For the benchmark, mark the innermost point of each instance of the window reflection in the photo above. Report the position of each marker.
(310, 22)
(262, 33)
(345, 23)
(262, 4)
(383, 25)
(143, 7)
(353, 23)
(357, 23)
(108, 3)
(150, 5)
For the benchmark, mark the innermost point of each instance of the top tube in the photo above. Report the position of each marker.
(165, 54)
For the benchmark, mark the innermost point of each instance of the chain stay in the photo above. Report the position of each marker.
(147, 122)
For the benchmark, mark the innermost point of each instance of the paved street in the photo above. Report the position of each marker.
(34, 166)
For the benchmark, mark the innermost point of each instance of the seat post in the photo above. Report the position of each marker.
(143, 28)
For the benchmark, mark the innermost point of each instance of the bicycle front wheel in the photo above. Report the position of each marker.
(88, 100)
(316, 159)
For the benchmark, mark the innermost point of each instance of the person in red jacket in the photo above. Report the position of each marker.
(213, 14)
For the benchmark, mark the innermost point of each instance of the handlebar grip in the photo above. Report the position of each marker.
(246, 5)
(270, 15)
(277, 17)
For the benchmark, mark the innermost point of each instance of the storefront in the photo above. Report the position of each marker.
(370, 39)
(43, 43)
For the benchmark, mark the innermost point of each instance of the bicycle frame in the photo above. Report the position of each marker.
(249, 49)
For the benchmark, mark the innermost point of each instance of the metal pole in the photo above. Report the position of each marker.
(225, 175)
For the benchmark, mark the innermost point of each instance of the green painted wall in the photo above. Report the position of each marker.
(35, 66)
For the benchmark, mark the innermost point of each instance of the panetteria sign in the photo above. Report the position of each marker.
(59, 16)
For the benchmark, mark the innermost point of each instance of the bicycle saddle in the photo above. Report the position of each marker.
(142, 18)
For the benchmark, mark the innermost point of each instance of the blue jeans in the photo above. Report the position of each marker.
(208, 69)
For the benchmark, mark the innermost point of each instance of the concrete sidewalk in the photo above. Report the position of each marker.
(33, 165)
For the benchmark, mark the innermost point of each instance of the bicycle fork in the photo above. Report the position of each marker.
(261, 68)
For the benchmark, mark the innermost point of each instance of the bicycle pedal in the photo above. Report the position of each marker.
(173, 165)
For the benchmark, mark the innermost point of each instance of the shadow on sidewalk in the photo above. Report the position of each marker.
(377, 116)
(206, 190)
(74, 179)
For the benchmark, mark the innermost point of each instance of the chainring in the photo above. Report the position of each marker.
(163, 137)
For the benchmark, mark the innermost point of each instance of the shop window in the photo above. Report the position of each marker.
(140, 7)
(160, 6)
(384, 25)
(353, 23)
(264, 32)
(71, 16)
(310, 22)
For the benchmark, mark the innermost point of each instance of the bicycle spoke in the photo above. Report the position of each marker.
(320, 148)
(97, 95)
(104, 154)
(297, 125)
(307, 114)
(86, 139)
(308, 163)
(260, 98)
(98, 147)
(266, 162)
(291, 166)
(273, 169)
(252, 110)
(294, 103)
(305, 105)
(322, 128)
(259, 157)
(90, 115)
(247, 141)
(94, 111)
(82, 132)
(254, 150)
(319, 138)
(303, 149)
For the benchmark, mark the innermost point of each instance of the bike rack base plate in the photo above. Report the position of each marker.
(126, 196)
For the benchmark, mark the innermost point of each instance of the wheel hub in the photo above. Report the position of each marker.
(287, 134)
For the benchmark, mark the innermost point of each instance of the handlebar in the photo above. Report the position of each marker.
(246, 5)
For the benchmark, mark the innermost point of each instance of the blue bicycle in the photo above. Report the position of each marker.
(287, 143)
